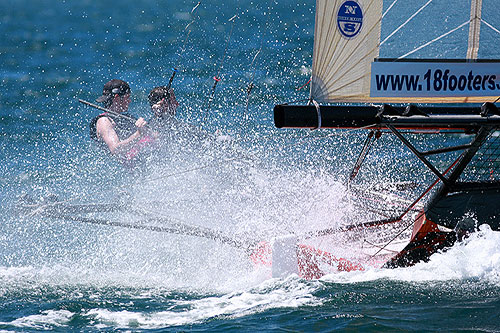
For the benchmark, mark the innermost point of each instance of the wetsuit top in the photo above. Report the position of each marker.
(123, 127)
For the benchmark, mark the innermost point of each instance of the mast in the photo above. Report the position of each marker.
(474, 28)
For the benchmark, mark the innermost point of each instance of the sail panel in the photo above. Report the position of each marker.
(347, 38)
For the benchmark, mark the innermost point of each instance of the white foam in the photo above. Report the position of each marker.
(46, 320)
(477, 257)
(291, 293)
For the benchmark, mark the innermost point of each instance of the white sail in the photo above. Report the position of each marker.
(347, 41)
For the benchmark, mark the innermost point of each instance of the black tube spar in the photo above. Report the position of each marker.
(339, 116)
(369, 116)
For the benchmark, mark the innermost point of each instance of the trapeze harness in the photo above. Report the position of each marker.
(123, 128)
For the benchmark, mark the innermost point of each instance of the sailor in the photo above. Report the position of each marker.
(117, 131)
(168, 128)
(163, 104)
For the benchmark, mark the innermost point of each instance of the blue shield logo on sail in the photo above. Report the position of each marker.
(350, 19)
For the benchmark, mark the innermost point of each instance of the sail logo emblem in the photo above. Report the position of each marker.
(350, 19)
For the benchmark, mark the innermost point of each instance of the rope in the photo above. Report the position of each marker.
(318, 113)
(305, 84)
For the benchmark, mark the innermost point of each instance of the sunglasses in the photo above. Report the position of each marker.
(120, 91)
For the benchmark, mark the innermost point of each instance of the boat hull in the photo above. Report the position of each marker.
(427, 238)
(463, 211)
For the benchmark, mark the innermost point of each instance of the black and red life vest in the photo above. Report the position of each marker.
(123, 127)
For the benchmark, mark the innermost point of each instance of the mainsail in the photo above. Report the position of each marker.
(346, 67)
(346, 40)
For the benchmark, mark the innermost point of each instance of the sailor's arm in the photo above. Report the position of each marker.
(106, 131)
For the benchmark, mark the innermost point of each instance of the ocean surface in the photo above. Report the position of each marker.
(232, 173)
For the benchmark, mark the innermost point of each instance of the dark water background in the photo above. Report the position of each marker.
(62, 276)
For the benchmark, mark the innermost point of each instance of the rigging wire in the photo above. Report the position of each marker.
(254, 69)
(183, 48)
(406, 22)
(249, 90)
(434, 40)
(400, 218)
(388, 9)
(299, 140)
(217, 77)
(377, 223)
(490, 26)
(207, 166)
(370, 139)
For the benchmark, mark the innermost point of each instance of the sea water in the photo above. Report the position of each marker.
(233, 172)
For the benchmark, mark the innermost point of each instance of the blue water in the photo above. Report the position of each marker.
(262, 182)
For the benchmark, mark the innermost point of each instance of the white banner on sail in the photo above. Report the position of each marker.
(434, 79)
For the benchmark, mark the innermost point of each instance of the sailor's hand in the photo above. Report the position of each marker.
(159, 108)
(141, 124)
(156, 107)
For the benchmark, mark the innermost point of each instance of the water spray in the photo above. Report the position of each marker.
(187, 28)
(217, 77)
(253, 70)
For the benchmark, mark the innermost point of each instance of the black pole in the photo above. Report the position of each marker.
(124, 116)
